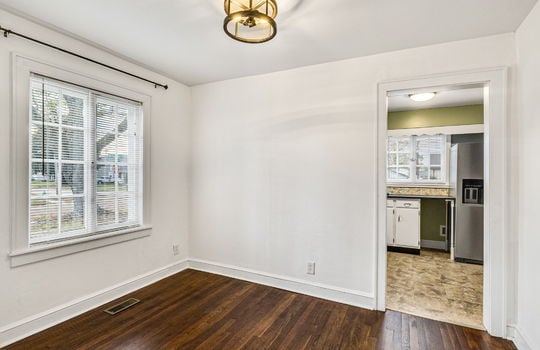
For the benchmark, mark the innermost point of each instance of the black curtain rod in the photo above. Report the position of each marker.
(8, 31)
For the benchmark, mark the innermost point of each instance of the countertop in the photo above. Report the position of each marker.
(418, 196)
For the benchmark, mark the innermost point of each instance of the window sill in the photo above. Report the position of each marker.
(49, 251)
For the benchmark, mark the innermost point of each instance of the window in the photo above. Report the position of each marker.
(86, 164)
(80, 161)
(417, 159)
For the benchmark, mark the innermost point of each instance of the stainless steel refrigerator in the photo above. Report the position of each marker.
(467, 181)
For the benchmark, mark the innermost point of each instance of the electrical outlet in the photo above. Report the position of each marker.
(442, 231)
(175, 249)
(311, 268)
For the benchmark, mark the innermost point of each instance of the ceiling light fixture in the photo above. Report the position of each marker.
(426, 96)
(250, 21)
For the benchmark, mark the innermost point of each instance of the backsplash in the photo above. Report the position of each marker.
(419, 191)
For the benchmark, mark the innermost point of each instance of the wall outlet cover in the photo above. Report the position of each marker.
(442, 231)
(311, 268)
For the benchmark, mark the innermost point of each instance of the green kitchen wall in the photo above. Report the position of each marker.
(435, 117)
(433, 215)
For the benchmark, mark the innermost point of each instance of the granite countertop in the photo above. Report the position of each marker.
(417, 196)
(419, 192)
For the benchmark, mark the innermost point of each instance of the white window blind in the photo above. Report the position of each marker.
(85, 162)
(430, 152)
(416, 159)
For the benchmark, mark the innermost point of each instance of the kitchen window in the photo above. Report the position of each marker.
(417, 159)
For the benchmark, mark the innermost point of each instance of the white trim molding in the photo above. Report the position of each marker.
(49, 251)
(496, 257)
(36, 323)
(21, 252)
(445, 130)
(319, 290)
(519, 340)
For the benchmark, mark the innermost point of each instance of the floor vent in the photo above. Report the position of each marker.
(113, 310)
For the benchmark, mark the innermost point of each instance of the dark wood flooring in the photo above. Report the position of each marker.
(197, 310)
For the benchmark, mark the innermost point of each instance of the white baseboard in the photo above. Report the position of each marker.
(319, 290)
(440, 245)
(517, 337)
(36, 323)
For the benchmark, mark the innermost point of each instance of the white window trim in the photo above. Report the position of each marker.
(445, 168)
(21, 253)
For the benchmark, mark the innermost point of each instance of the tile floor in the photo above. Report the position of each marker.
(432, 286)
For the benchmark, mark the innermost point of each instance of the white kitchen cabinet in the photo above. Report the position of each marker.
(403, 223)
(390, 225)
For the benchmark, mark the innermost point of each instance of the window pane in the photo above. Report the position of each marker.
(106, 129)
(72, 214)
(123, 149)
(404, 173)
(50, 142)
(429, 148)
(72, 144)
(106, 209)
(72, 179)
(123, 209)
(43, 180)
(50, 102)
(123, 183)
(404, 145)
(404, 159)
(435, 159)
(392, 144)
(105, 178)
(392, 173)
(73, 111)
(392, 159)
(422, 173)
(43, 217)
(435, 173)
(422, 157)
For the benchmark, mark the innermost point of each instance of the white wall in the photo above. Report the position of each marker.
(528, 191)
(283, 171)
(285, 163)
(38, 287)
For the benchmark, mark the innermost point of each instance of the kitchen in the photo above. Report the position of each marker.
(434, 212)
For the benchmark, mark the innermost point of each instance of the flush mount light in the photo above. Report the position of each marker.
(426, 96)
(250, 21)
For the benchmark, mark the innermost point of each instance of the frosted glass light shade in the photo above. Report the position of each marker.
(250, 21)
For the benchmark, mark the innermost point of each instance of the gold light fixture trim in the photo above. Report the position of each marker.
(250, 21)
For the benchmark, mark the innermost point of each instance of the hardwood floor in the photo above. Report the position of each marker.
(197, 310)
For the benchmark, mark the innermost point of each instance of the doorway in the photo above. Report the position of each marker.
(434, 210)
(493, 83)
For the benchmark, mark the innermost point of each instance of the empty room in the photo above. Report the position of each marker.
(270, 174)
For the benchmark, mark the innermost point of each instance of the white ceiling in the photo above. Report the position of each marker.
(184, 38)
(445, 98)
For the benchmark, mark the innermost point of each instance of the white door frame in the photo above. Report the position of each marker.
(496, 207)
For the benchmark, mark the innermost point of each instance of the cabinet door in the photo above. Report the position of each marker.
(390, 228)
(407, 227)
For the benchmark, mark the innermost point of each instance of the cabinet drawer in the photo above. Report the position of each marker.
(389, 203)
(408, 203)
